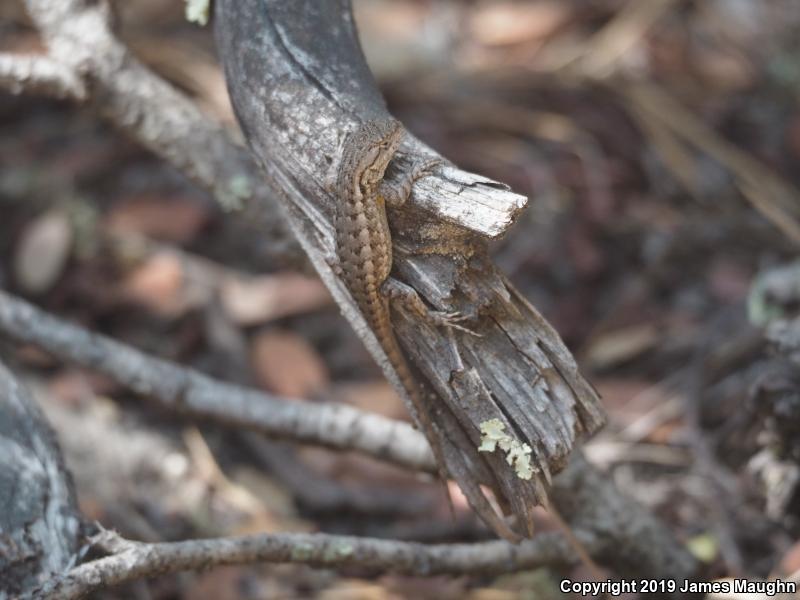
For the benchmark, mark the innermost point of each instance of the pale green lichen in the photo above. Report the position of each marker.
(337, 551)
(236, 192)
(302, 552)
(492, 432)
(198, 11)
(705, 547)
(518, 454)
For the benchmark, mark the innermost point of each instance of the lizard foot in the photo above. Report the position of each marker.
(448, 319)
(399, 291)
(396, 192)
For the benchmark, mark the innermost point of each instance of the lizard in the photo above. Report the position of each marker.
(364, 246)
(364, 262)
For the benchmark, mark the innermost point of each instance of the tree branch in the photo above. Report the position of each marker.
(30, 74)
(191, 393)
(153, 112)
(133, 560)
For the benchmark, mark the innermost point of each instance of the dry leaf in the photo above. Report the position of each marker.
(373, 396)
(615, 347)
(158, 285)
(493, 594)
(287, 364)
(34, 356)
(42, 252)
(270, 297)
(220, 583)
(790, 563)
(72, 387)
(724, 71)
(628, 400)
(356, 589)
(176, 219)
(505, 23)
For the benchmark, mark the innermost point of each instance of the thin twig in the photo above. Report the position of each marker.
(32, 74)
(83, 48)
(132, 560)
(192, 393)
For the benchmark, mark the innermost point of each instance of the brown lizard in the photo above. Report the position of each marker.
(364, 244)
(364, 252)
(364, 262)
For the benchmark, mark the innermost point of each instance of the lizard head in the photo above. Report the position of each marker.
(378, 141)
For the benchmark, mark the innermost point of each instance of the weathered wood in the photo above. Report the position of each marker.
(39, 520)
(299, 82)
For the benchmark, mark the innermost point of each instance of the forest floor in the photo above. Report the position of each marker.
(659, 144)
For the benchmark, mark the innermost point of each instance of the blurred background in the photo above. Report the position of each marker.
(659, 144)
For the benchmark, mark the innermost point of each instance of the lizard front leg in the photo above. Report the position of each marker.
(398, 291)
(395, 192)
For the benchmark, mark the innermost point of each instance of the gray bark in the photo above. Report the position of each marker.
(131, 560)
(39, 521)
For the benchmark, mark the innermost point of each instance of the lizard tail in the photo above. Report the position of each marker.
(413, 390)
